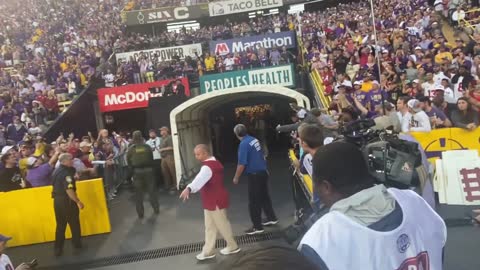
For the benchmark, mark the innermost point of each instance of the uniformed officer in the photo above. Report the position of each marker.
(140, 159)
(66, 203)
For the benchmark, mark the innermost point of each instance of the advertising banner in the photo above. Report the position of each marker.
(268, 41)
(163, 54)
(166, 14)
(237, 6)
(131, 96)
(276, 75)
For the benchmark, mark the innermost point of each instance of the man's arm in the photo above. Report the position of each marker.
(203, 176)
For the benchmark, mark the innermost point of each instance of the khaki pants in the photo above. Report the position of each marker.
(217, 221)
(168, 171)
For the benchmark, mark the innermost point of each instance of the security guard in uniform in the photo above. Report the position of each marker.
(140, 159)
(66, 203)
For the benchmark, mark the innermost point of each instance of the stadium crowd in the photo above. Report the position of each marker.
(425, 81)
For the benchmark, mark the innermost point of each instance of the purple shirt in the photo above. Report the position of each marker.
(436, 112)
(40, 176)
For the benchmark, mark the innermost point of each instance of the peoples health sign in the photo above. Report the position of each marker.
(276, 75)
(238, 6)
(269, 41)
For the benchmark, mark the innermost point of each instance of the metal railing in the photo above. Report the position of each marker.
(320, 89)
(470, 22)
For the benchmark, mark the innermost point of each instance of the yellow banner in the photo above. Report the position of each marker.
(28, 216)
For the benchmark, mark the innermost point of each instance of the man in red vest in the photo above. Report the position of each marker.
(209, 181)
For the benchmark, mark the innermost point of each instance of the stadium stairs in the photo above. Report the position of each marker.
(79, 116)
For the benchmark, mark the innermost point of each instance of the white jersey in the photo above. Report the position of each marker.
(416, 244)
(155, 145)
(5, 263)
(307, 164)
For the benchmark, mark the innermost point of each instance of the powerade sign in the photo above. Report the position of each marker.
(268, 41)
(276, 75)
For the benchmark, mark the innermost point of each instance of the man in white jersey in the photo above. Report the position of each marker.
(369, 226)
(5, 263)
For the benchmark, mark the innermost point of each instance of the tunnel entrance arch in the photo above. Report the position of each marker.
(190, 123)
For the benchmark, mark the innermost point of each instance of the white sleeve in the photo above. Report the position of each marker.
(406, 123)
(201, 179)
(424, 124)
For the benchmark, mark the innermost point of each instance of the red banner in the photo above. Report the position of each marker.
(131, 96)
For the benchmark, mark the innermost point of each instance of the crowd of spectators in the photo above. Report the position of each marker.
(31, 162)
(432, 82)
(49, 52)
(150, 69)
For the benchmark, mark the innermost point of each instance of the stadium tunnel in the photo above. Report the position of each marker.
(191, 122)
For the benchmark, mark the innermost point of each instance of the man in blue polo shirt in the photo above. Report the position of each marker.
(251, 161)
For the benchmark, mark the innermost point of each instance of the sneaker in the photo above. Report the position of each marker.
(270, 222)
(225, 251)
(203, 257)
(253, 231)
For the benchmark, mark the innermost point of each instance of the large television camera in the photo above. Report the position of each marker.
(391, 161)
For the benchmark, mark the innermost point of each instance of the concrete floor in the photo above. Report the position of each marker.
(181, 223)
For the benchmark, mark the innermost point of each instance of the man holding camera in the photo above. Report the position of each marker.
(5, 263)
(369, 226)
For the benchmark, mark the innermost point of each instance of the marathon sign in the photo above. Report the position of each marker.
(277, 75)
(166, 14)
(131, 96)
(162, 54)
(268, 41)
(239, 6)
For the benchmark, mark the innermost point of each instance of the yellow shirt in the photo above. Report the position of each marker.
(63, 66)
(210, 63)
(39, 150)
(22, 165)
(439, 57)
(367, 86)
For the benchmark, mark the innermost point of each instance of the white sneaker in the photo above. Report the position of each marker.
(202, 257)
(225, 251)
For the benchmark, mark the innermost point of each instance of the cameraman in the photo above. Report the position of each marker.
(5, 263)
(368, 226)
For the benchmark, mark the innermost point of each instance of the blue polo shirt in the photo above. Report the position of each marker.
(250, 154)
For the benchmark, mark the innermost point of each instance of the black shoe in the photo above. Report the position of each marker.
(140, 216)
(253, 231)
(270, 222)
(156, 211)
(79, 246)
(58, 252)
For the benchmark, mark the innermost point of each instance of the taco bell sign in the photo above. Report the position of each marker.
(269, 41)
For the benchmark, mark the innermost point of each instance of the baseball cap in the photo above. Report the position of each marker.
(414, 104)
(301, 114)
(5, 149)
(85, 144)
(31, 161)
(418, 48)
(439, 87)
(376, 82)
(357, 83)
(4, 238)
(415, 81)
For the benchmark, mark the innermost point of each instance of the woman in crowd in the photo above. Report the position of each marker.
(464, 116)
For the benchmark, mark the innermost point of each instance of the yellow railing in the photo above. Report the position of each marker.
(471, 23)
(320, 89)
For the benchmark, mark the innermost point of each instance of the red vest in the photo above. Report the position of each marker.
(213, 193)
